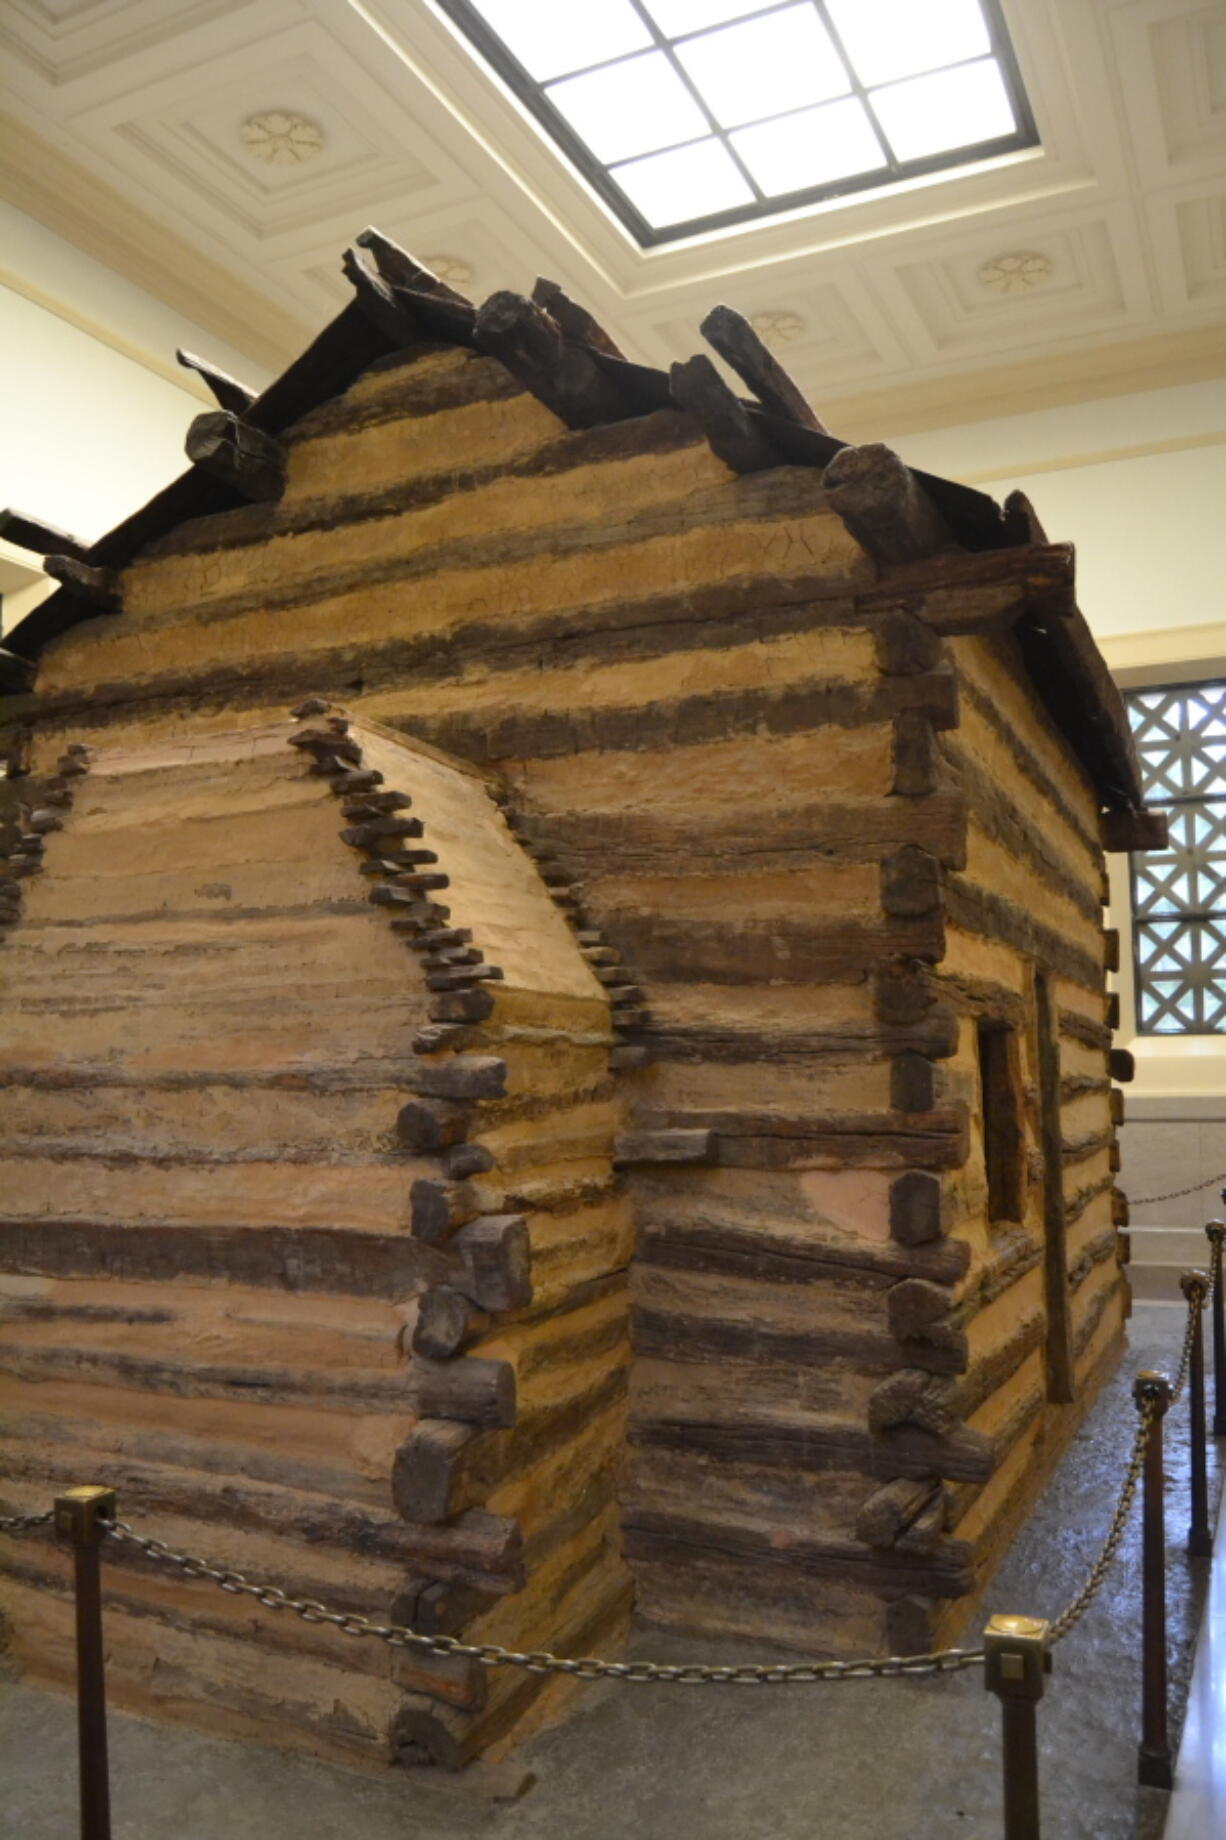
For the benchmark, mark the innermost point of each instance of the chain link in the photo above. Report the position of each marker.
(583, 1667)
(22, 1523)
(1068, 1619)
(1177, 1194)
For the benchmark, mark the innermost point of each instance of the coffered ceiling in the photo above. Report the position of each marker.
(221, 153)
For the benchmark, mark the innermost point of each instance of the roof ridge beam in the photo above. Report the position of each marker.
(561, 373)
(227, 391)
(733, 337)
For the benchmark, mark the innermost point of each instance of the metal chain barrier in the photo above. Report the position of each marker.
(1177, 1194)
(22, 1523)
(1069, 1619)
(585, 1667)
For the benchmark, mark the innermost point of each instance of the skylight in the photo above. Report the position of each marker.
(687, 115)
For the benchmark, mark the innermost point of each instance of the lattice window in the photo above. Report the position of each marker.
(1179, 894)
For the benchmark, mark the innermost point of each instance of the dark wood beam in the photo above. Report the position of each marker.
(565, 376)
(228, 391)
(1134, 830)
(16, 674)
(240, 456)
(731, 431)
(399, 269)
(574, 321)
(405, 315)
(883, 505)
(732, 336)
(98, 588)
(26, 532)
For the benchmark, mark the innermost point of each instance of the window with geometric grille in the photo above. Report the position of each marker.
(1179, 894)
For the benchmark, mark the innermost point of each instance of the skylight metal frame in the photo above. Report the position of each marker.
(531, 92)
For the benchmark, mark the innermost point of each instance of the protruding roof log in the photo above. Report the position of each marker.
(1133, 830)
(565, 376)
(883, 506)
(252, 462)
(97, 588)
(574, 321)
(406, 316)
(698, 388)
(228, 391)
(399, 269)
(26, 532)
(732, 336)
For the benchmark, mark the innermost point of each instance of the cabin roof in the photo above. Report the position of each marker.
(573, 366)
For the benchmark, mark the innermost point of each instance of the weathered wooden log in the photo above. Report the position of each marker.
(963, 1456)
(918, 1309)
(1134, 830)
(1111, 948)
(733, 436)
(431, 1124)
(914, 1396)
(559, 372)
(574, 321)
(98, 588)
(464, 1076)
(1115, 1100)
(444, 1609)
(242, 457)
(910, 882)
(892, 1509)
(229, 393)
(397, 267)
(463, 977)
(26, 532)
(431, 1482)
(1122, 1065)
(464, 1160)
(495, 1262)
(444, 1319)
(732, 336)
(362, 779)
(913, 1083)
(675, 1145)
(471, 1389)
(436, 1209)
(915, 1208)
(1120, 1214)
(887, 512)
(462, 1006)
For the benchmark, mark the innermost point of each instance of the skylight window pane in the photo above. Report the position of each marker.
(813, 147)
(952, 108)
(764, 66)
(632, 107)
(886, 39)
(690, 182)
(553, 37)
(677, 17)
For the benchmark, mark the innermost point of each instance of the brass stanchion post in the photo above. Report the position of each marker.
(79, 1518)
(1016, 1663)
(1216, 1232)
(1195, 1287)
(1153, 1390)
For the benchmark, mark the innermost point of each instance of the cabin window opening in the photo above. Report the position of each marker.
(1179, 894)
(1000, 1110)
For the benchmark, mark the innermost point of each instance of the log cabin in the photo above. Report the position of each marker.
(556, 1058)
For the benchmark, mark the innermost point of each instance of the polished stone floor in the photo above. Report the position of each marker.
(892, 1760)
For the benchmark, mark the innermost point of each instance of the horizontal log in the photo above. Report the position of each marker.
(782, 1257)
(430, 1483)
(471, 1389)
(495, 1261)
(910, 883)
(1085, 1030)
(444, 1321)
(1122, 1065)
(963, 1455)
(462, 1076)
(914, 1396)
(1111, 948)
(228, 392)
(244, 458)
(883, 505)
(436, 1209)
(890, 1510)
(1134, 830)
(431, 1124)
(734, 338)
(946, 1573)
(677, 1145)
(915, 1208)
